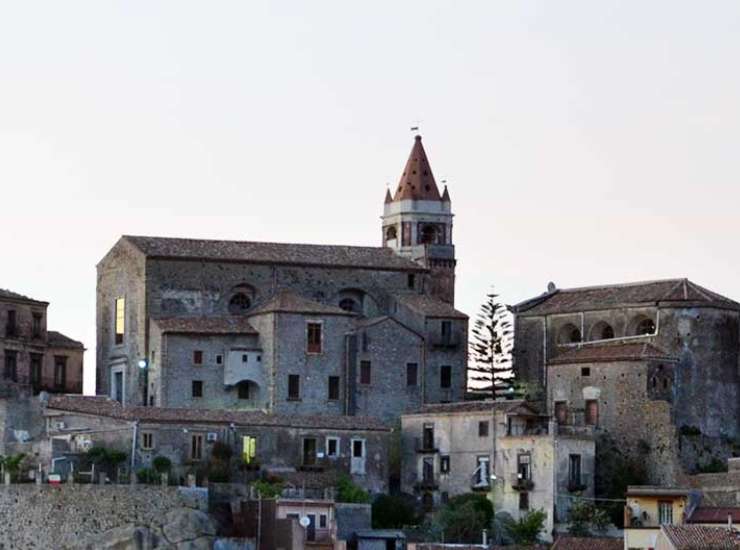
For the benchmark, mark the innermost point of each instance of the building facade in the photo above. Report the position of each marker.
(643, 362)
(32, 356)
(289, 328)
(504, 449)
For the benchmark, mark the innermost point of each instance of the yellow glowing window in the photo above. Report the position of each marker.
(120, 319)
(249, 449)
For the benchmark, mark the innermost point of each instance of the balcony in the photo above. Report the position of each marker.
(519, 483)
(426, 446)
(449, 342)
(577, 484)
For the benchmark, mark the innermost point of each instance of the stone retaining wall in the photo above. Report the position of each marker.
(68, 516)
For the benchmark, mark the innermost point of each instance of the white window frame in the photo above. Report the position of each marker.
(358, 465)
(339, 450)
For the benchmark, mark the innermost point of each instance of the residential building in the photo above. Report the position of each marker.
(648, 508)
(286, 446)
(32, 356)
(694, 537)
(523, 459)
(290, 328)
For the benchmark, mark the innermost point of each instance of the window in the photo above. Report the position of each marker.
(219, 359)
(445, 376)
(322, 521)
(36, 325)
(524, 500)
(309, 451)
(365, 372)
(147, 441)
(446, 332)
(197, 357)
(332, 447)
(574, 469)
(444, 464)
(243, 390)
(333, 388)
(348, 304)
(428, 437)
(592, 412)
(11, 329)
(239, 303)
(602, 331)
(411, 280)
(665, 512)
(196, 447)
(197, 388)
(120, 328)
(245, 358)
(60, 372)
(646, 326)
(11, 365)
(117, 385)
(249, 448)
(36, 362)
(391, 233)
(412, 370)
(483, 429)
(523, 466)
(561, 412)
(569, 334)
(294, 387)
(427, 471)
(482, 471)
(313, 335)
(585, 371)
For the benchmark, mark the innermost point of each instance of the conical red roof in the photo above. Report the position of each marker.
(417, 181)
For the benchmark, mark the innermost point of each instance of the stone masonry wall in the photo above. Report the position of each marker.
(66, 516)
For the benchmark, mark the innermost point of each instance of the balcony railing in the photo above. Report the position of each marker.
(424, 445)
(519, 483)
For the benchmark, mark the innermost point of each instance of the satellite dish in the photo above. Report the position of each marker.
(304, 521)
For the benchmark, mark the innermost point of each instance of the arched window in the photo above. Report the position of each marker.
(646, 326)
(429, 234)
(569, 334)
(391, 233)
(239, 303)
(349, 304)
(602, 331)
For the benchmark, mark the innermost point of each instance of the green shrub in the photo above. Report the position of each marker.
(268, 489)
(147, 475)
(464, 518)
(162, 464)
(527, 529)
(715, 466)
(348, 491)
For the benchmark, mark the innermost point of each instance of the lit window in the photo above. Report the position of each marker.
(120, 319)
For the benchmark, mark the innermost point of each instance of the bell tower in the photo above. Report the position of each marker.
(417, 223)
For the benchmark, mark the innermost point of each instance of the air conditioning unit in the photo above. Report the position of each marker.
(212, 436)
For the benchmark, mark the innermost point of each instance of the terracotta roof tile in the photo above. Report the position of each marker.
(606, 353)
(287, 301)
(567, 542)
(417, 181)
(9, 295)
(429, 306)
(59, 340)
(205, 325)
(662, 292)
(367, 257)
(698, 537)
(104, 406)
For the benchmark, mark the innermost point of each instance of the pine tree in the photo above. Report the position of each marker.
(490, 350)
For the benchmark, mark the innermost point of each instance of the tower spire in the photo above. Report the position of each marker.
(417, 181)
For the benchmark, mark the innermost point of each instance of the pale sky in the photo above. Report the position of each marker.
(583, 142)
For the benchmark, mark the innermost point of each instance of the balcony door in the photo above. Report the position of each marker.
(357, 465)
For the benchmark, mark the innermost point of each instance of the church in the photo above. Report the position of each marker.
(293, 329)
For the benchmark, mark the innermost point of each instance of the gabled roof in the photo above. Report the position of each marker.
(417, 181)
(665, 293)
(58, 340)
(696, 537)
(656, 491)
(568, 542)
(205, 325)
(606, 353)
(14, 296)
(429, 306)
(366, 257)
(104, 406)
(287, 301)
(710, 514)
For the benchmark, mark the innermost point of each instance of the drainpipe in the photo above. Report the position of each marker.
(133, 447)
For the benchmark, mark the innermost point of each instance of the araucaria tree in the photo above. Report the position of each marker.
(490, 365)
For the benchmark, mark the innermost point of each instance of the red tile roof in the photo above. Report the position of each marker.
(205, 325)
(698, 537)
(9, 295)
(608, 353)
(366, 257)
(665, 292)
(567, 542)
(417, 181)
(59, 340)
(707, 514)
(104, 406)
